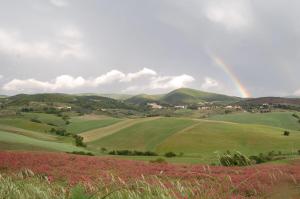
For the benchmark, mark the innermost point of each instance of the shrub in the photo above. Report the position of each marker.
(170, 154)
(158, 160)
(296, 116)
(81, 153)
(286, 133)
(103, 149)
(35, 120)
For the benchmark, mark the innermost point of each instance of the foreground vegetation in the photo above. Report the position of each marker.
(80, 177)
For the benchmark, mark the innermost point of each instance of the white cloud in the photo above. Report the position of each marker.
(209, 83)
(1, 76)
(230, 13)
(144, 72)
(68, 43)
(67, 82)
(59, 3)
(297, 93)
(170, 82)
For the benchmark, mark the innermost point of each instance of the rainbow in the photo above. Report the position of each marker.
(241, 88)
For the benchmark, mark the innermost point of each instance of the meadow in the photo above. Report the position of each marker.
(56, 175)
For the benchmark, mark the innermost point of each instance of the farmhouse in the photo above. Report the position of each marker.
(154, 105)
(180, 106)
(68, 108)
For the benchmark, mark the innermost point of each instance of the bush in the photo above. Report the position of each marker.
(103, 149)
(81, 153)
(286, 133)
(35, 120)
(296, 116)
(158, 160)
(170, 154)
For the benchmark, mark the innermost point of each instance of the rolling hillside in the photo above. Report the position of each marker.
(144, 99)
(272, 100)
(199, 138)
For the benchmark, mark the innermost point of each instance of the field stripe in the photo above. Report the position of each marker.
(99, 133)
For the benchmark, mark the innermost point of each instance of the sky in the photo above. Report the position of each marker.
(246, 48)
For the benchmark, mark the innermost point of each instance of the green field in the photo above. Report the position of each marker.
(207, 138)
(144, 135)
(79, 125)
(11, 140)
(198, 140)
(276, 119)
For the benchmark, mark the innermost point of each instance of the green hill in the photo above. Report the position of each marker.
(183, 96)
(144, 99)
(192, 96)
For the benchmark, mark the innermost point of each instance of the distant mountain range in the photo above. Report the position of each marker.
(182, 96)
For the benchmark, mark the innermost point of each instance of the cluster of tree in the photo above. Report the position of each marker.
(81, 153)
(79, 141)
(27, 109)
(262, 158)
(60, 131)
(51, 110)
(132, 153)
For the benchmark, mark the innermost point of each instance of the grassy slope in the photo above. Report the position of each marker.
(210, 136)
(24, 123)
(96, 134)
(79, 125)
(16, 139)
(143, 136)
(278, 119)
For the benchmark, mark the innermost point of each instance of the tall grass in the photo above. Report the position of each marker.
(27, 185)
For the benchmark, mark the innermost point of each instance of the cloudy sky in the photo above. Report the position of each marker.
(237, 47)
